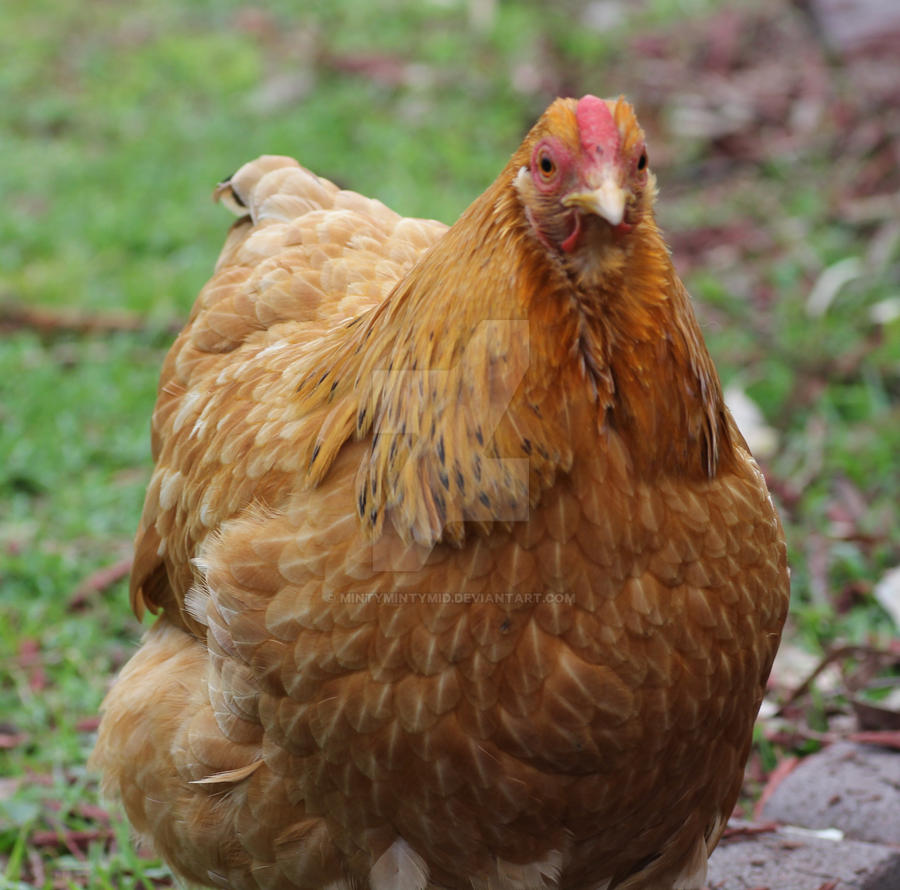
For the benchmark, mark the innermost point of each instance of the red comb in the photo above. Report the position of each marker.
(599, 133)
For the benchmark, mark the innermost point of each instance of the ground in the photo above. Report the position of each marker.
(775, 143)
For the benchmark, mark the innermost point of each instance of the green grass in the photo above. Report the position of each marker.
(116, 121)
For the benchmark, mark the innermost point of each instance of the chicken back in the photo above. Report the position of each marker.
(464, 576)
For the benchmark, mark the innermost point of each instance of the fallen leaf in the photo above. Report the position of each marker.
(762, 439)
(830, 283)
(885, 311)
(887, 592)
(825, 834)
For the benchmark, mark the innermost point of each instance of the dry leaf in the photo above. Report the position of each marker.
(887, 592)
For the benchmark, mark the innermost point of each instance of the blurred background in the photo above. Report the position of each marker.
(774, 131)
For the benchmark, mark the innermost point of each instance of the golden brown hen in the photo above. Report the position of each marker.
(466, 576)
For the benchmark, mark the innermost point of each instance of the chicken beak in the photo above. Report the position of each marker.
(606, 201)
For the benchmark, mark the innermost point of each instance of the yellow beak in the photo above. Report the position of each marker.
(606, 201)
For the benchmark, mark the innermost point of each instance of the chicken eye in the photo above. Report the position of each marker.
(642, 161)
(547, 165)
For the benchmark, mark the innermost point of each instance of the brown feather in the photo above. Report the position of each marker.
(465, 575)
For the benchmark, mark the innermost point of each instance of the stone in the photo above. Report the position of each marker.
(855, 788)
(769, 857)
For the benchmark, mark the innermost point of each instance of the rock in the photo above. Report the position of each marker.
(759, 858)
(855, 788)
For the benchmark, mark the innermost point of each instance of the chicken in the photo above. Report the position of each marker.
(464, 575)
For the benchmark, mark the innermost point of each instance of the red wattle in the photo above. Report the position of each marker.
(569, 244)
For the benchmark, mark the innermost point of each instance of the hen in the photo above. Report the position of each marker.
(465, 576)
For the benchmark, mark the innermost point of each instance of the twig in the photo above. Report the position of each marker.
(885, 738)
(73, 841)
(14, 316)
(98, 581)
(834, 655)
(748, 830)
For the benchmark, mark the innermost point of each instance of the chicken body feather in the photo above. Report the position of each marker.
(465, 575)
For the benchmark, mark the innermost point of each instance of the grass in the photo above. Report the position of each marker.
(116, 123)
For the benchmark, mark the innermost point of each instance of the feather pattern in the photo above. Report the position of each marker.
(464, 575)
